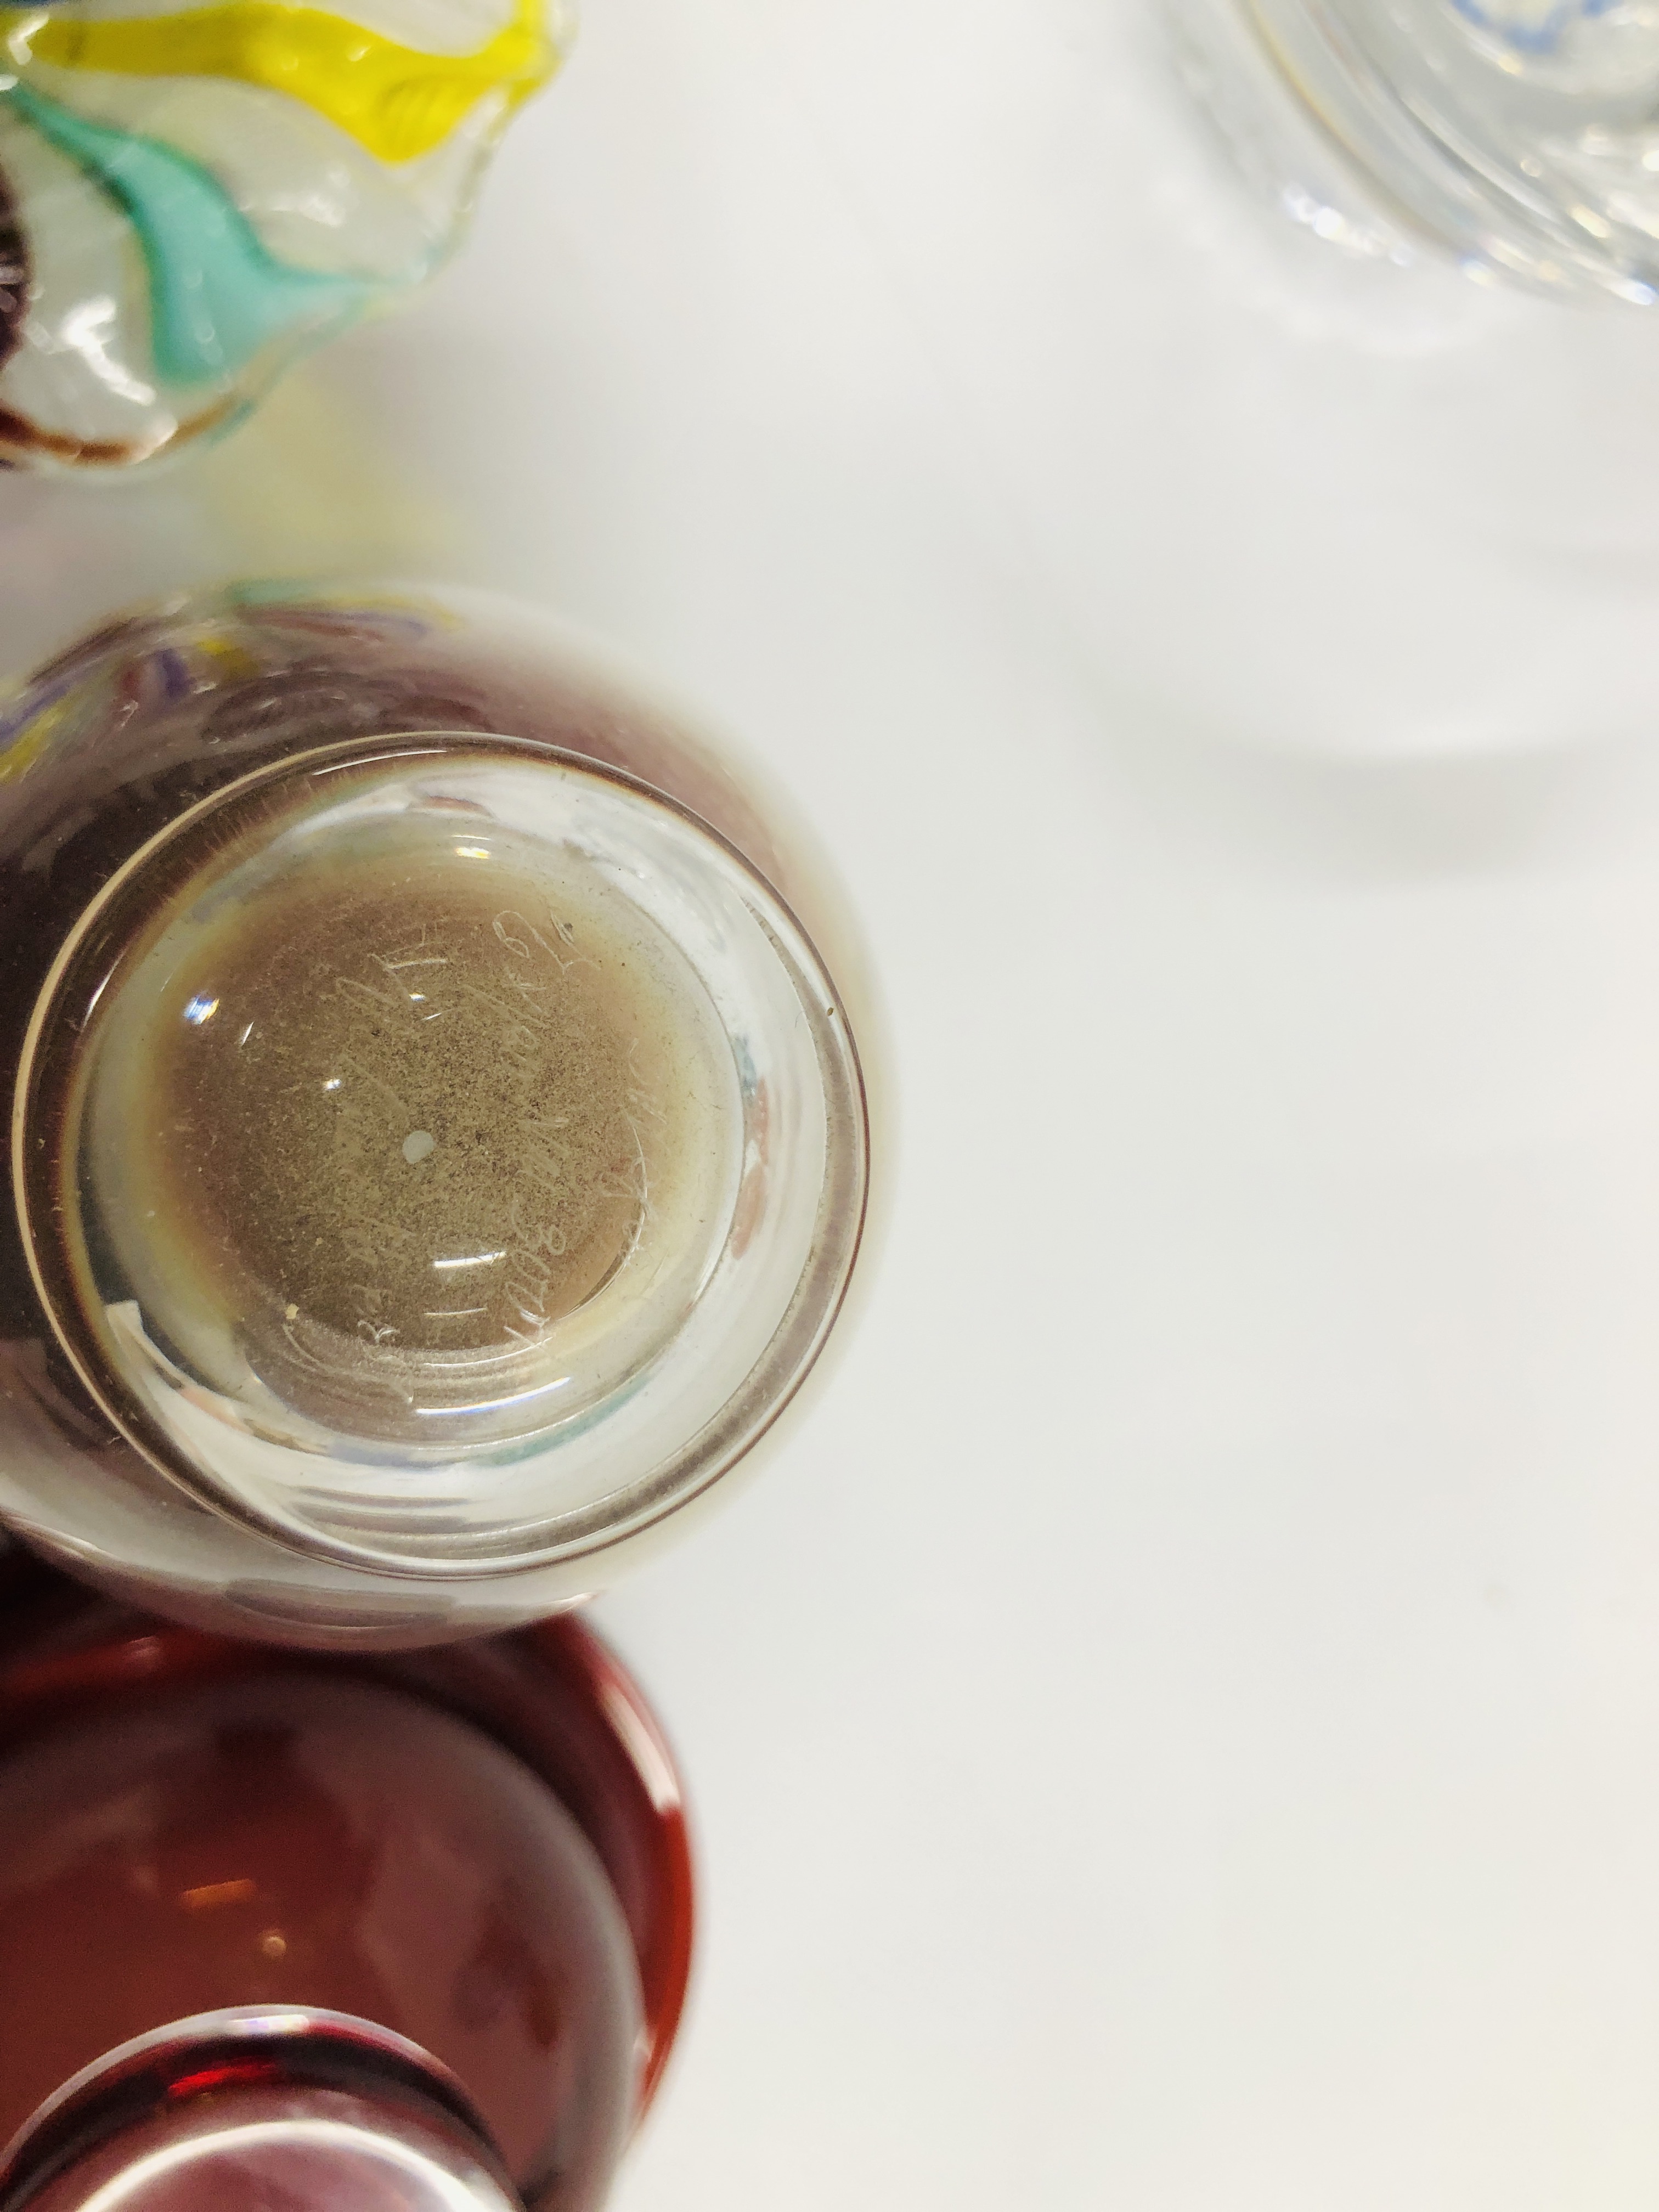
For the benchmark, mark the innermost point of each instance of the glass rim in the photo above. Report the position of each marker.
(51, 1051)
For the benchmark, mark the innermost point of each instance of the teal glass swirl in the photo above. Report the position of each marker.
(191, 200)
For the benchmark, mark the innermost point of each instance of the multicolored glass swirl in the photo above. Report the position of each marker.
(190, 200)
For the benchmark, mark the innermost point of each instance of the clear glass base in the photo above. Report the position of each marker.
(1521, 138)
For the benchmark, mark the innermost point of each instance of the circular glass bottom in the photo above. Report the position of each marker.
(439, 1151)
(382, 1103)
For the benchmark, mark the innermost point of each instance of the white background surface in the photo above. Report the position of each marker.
(1179, 1729)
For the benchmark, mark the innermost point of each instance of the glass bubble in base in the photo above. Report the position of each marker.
(440, 1148)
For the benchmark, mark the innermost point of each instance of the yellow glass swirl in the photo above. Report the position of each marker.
(394, 99)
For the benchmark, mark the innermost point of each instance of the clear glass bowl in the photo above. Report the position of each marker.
(1521, 136)
(440, 1154)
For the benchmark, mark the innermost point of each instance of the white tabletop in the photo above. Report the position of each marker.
(1179, 1729)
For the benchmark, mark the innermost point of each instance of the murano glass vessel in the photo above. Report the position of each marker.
(191, 197)
(392, 1932)
(439, 1151)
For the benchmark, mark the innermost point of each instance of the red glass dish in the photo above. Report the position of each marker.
(182, 1752)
